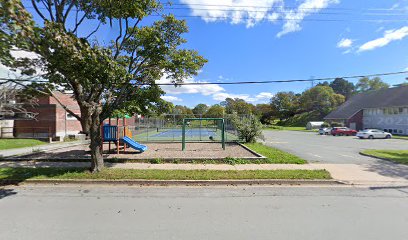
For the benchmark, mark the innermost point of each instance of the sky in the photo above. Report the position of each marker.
(261, 40)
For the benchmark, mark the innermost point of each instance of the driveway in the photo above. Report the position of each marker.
(328, 149)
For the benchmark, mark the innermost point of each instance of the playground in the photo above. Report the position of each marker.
(151, 138)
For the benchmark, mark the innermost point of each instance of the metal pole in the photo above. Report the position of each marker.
(223, 135)
(183, 138)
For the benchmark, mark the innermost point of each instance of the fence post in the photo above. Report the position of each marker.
(183, 138)
(223, 134)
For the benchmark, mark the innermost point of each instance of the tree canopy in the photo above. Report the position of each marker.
(285, 103)
(322, 99)
(366, 84)
(104, 78)
(200, 109)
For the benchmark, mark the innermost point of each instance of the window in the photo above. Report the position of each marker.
(395, 130)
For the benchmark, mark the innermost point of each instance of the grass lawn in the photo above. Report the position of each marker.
(19, 143)
(274, 155)
(400, 137)
(398, 156)
(21, 174)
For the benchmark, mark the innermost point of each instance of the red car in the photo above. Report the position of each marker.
(343, 131)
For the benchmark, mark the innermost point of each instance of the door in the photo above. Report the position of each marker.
(353, 126)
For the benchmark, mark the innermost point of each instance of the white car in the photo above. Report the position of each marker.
(373, 133)
(324, 131)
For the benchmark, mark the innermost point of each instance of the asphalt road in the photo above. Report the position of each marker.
(329, 149)
(203, 213)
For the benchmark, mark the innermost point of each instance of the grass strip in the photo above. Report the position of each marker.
(274, 155)
(19, 143)
(22, 174)
(400, 137)
(398, 156)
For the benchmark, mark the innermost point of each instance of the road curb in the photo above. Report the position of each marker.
(289, 182)
(380, 158)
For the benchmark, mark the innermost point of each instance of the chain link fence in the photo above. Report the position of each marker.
(168, 128)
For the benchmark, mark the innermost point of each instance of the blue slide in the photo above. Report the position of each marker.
(133, 144)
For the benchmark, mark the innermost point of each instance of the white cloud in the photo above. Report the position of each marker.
(389, 36)
(295, 17)
(171, 98)
(345, 43)
(264, 96)
(183, 89)
(249, 12)
(217, 92)
(223, 95)
(252, 12)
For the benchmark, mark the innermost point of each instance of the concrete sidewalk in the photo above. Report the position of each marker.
(387, 174)
(40, 148)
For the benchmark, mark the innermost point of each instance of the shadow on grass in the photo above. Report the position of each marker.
(70, 154)
(15, 176)
(394, 156)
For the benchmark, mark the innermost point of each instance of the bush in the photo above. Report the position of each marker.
(249, 128)
(337, 124)
(325, 125)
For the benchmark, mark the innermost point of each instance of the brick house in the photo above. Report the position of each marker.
(51, 121)
(385, 109)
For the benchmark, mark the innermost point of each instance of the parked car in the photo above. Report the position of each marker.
(373, 133)
(324, 131)
(343, 131)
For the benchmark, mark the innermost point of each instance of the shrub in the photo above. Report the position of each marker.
(325, 125)
(249, 128)
(337, 124)
(156, 161)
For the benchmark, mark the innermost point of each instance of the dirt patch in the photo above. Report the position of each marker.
(155, 151)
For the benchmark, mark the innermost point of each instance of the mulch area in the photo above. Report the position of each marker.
(155, 151)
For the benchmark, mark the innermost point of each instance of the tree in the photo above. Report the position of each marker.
(286, 104)
(200, 109)
(249, 127)
(215, 111)
(237, 105)
(366, 84)
(266, 113)
(343, 87)
(321, 99)
(104, 78)
(13, 105)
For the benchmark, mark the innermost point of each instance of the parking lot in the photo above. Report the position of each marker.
(329, 149)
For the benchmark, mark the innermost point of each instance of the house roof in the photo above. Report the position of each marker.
(390, 97)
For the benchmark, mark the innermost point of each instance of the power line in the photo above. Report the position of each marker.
(291, 19)
(242, 82)
(276, 7)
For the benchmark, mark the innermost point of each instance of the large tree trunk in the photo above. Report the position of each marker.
(86, 121)
(96, 143)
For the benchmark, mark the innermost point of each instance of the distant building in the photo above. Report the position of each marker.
(51, 121)
(314, 125)
(385, 109)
